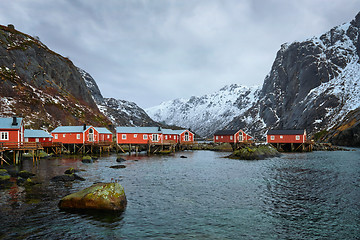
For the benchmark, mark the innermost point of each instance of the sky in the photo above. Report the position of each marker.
(150, 51)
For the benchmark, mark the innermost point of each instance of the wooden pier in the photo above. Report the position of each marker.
(18, 148)
(294, 147)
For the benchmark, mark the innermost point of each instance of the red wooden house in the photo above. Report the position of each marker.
(76, 134)
(11, 130)
(104, 134)
(231, 136)
(286, 136)
(37, 136)
(170, 136)
(185, 136)
(138, 135)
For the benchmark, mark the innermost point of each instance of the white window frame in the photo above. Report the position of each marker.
(26, 139)
(281, 136)
(297, 137)
(155, 137)
(43, 139)
(166, 137)
(231, 137)
(78, 136)
(217, 137)
(145, 136)
(272, 137)
(135, 135)
(108, 136)
(241, 138)
(56, 136)
(4, 135)
(123, 136)
(64, 135)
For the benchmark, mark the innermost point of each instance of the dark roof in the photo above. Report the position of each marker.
(226, 132)
(286, 132)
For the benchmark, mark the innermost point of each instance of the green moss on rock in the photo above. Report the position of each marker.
(255, 153)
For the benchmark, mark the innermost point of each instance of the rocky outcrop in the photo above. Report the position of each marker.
(120, 112)
(255, 153)
(100, 196)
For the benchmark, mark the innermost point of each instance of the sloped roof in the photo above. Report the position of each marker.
(168, 131)
(138, 130)
(179, 131)
(226, 132)
(7, 123)
(70, 129)
(286, 132)
(102, 130)
(29, 133)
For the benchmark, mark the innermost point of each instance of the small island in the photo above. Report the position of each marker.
(256, 152)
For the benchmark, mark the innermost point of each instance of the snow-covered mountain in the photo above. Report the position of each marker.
(119, 112)
(208, 113)
(312, 85)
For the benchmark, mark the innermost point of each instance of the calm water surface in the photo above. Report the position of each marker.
(297, 196)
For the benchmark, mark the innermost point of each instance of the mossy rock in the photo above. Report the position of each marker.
(100, 196)
(4, 175)
(87, 159)
(120, 159)
(25, 174)
(255, 153)
(67, 178)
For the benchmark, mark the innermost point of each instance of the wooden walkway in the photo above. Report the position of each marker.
(18, 148)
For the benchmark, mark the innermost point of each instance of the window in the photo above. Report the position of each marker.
(222, 136)
(4, 136)
(56, 136)
(297, 138)
(231, 137)
(217, 137)
(272, 137)
(64, 135)
(240, 138)
(43, 139)
(145, 137)
(123, 136)
(26, 139)
(77, 136)
(281, 136)
(165, 137)
(155, 137)
(36, 139)
(108, 136)
(187, 136)
(135, 135)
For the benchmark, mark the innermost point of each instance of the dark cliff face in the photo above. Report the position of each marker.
(41, 85)
(119, 112)
(311, 85)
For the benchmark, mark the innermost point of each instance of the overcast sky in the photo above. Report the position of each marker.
(149, 51)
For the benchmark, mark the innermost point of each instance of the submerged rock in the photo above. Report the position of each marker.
(71, 171)
(67, 178)
(183, 156)
(120, 159)
(118, 166)
(100, 196)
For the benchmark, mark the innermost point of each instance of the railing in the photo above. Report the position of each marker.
(20, 146)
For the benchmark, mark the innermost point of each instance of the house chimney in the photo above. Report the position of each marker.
(14, 122)
(84, 126)
(159, 129)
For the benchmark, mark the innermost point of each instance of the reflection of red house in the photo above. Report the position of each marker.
(286, 136)
(138, 135)
(231, 136)
(11, 129)
(37, 136)
(80, 134)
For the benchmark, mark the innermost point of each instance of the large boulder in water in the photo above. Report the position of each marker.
(100, 196)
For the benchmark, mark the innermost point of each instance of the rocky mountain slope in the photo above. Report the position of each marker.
(120, 112)
(41, 85)
(208, 113)
(312, 85)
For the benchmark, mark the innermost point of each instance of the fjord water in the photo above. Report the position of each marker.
(204, 196)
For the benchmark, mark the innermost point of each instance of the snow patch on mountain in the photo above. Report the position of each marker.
(208, 113)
